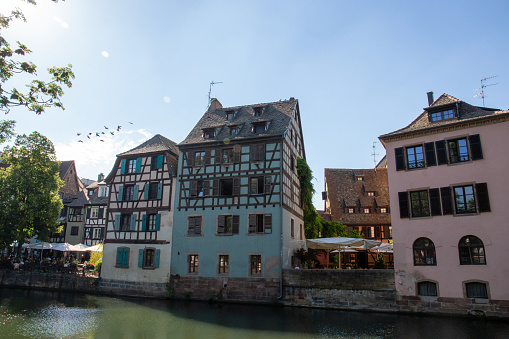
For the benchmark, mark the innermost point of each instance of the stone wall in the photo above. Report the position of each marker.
(36, 280)
(132, 288)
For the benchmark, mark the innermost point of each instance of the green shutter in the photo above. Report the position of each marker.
(145, 191)
(160, 161)
(140, 258)
(138, 165)
(135, 193)
(133, 222)
(156, 258)
(159, 190)
(118, 219)
(120, 256)
(122, 166)
(158, 222)
(120, 193)
(144, 222)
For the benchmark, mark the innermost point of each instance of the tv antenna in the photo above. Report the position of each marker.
(212, 83)
(483, 86)
(374, 154)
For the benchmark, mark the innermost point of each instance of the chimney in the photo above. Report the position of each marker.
(430, 98)
(100, 177)
(214, 104)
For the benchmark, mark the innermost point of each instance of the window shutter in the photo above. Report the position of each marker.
(475, 146)
(434, 198)
(144, 222)
(235, 224)
(119, 257)
(190, 159)
(215, 187)
(207, 157)
(158, 222)
(138, 165)
(252, 151)
(236, 186)
(122, 166)
(193, 188)
(441, 152)
(135, 192)
(191, 223)
(268, 223)
(430, 154)
(261, 152)
(160, 161)
(268, 182)
(118, 220)
(220, 223)
(88, 212)
(217, 156)
(101, 213)
(146, 191)
(120, 193)
(445, 192)
(206, 188)
(400, 159)
(403, 205)
(159, 190)
(252, 223)
(156, 258)
(140, 258)
(197, 225)
(483, 200)
(236, 154)
(133, 222)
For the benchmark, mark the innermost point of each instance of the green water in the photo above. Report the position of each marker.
(36, 314)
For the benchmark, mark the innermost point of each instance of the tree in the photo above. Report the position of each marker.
(332, 229)
(30, 204)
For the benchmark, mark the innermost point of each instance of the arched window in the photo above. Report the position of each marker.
(427, 288)
(471, 250)
(424, 252)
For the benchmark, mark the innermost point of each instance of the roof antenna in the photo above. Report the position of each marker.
(374, 153)
(210, 90)
(483, 86)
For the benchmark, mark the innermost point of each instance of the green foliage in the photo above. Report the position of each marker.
(6, 130)
(380, 261)
(332, 229)
(312, 224)
(30, 204)
(307, 258)
(96, 258)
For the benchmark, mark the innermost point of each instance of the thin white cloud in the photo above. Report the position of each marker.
(167, 99)
(61, 22)
(105, 54)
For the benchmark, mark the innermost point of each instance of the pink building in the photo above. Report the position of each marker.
(448, 186)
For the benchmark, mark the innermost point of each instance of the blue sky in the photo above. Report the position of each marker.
(358, 68)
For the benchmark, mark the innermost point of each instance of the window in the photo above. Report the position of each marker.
(366, 210)
(256, 264)
(234, 130)
(131, 166)
(97, 233)
(125, 222)
(209, 133)
(476, 290)
(151, 222)
(194, 225)
(224, 264)
(259, 127)
(415, 157)
(148, 258)
(122, 257)
(260, 223)
(230, 115)
(199, 158)
(419, 204)
(91, 192)
(192, 263)
(471, 251)
(257, 152)
(156, 162)
(359, 178)
(383, 209)
(103, 191)
(75, 230)
(301, 232)
(424, 252)
(128, 193)
(292, 229)
(350, 210)
(427, 288)
(197, 188)
(227, 224)
(227, 156)
(443, 115)
(370, 194)
(256, 185)
(226, 187)
(94, 212)
(464, 199)
(258, 111)
(458, 150)
(75, 211)
(153, 189)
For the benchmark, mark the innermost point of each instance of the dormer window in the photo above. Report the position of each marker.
(370, 194)
(230, 115)
(442, 115)
(260, 126)
(235, 130)
(359, 178)
(258, 111)
(209, 133)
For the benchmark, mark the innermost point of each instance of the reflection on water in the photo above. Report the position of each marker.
(35, 314)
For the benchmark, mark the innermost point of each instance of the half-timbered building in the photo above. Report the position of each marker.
(238, 215)
(136, 254)
(95, 214)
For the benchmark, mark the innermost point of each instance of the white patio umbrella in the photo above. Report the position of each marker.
(62, 247)
(95, 248)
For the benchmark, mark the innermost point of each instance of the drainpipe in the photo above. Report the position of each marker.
(281, 221)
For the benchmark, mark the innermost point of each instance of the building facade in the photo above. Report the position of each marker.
(448, 184)
(238, 214)
(136, 253)
(95, 212)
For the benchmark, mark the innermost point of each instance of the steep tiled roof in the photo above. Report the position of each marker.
(466, 113)
(278, 114)
(79, 200)
(156, 144)
(343, 190)
(64, 167)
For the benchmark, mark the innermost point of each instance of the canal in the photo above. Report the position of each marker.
(36, 314)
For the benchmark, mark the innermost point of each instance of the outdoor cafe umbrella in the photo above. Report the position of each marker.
(339, 243)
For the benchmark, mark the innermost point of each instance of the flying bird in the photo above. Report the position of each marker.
(130, 122)
(102, 133)
(105, 127)
(88, 136)
(102, 140)
(80, 140)
(97, 134)
(90, 133)
(78, 134)
(112, 133)
(118, 128)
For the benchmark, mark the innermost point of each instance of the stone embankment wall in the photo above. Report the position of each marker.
(132, 288)
(36, 280)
